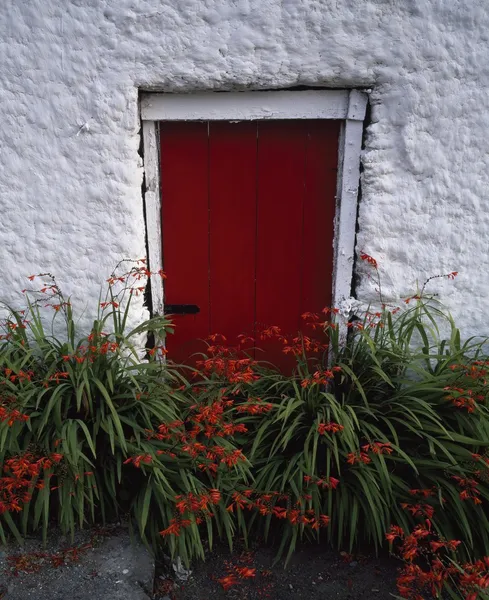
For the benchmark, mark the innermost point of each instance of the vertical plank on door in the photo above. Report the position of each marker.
(319, 211)
(185, 230)
(232, 192)
(280, 197)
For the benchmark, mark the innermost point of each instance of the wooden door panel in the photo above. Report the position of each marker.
(185, 231)
(280, 198)
(319, 210)
(232, 191)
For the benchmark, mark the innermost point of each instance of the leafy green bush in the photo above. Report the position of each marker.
(381, 428)
(383, 420)
(91, 431)
(74, 407)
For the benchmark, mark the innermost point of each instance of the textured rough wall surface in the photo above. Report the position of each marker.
(71, 200)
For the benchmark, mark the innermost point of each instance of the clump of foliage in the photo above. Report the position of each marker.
(75, 407)
(394, 418)
(375, 421)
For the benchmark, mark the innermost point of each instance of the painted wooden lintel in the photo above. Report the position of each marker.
(236, 106)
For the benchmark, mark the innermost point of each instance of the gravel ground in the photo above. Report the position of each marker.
(105, 565)
(313, 573)
(99, 565)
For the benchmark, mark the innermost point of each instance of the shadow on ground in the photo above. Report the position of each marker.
(313, 573)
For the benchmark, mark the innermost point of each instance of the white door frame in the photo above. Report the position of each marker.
(347, 105)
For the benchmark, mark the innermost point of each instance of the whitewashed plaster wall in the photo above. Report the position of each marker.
(71, 204)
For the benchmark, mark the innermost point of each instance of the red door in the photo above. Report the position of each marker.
(247, 222)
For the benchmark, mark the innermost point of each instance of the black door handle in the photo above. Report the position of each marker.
(181, 309)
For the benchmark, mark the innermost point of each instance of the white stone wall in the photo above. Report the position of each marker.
(71, 203)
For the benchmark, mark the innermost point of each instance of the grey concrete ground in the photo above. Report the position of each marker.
(109, 567)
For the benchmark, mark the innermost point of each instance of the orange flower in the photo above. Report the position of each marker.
(435, 546)
(419, 510)
(137, 460)
(353, 458)
(394, 532)
(245, 572)
(381, 448)
(425, 493)
(369, 259)
(172, 529)
(311, 316)
(215, 496)
(112, 303)
(232, 459)
(333, 482)
(255, 406)
(272, 331)
(216, 337)
(228, 582)
(58, 376)
(329, 427)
